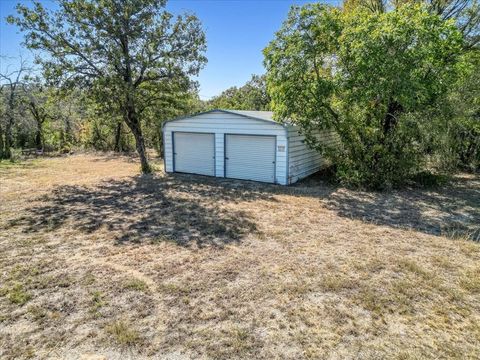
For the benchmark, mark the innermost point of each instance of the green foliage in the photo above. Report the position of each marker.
(452, 136)
(429, 179)
(97, 302)
(136, 284)
(40, 104)
(463, 105)
(465, 142)
(10, 110)
(123, 333)
(179, 99)
(43, 117)
(16, 294)
(251, 96)
(366, 76)
(127, 53)
(465, 13)
(370, 159)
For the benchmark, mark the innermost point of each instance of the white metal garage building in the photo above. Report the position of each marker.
(246, 145)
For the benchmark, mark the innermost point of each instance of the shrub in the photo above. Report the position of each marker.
(123, 333)
(367, 76)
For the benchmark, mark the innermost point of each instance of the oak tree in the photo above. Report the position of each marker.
(117, 48)
(364, 75)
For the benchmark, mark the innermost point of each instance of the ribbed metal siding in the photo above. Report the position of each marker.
(304, 161)
(250, 157)
(222, 123)
(194, 153)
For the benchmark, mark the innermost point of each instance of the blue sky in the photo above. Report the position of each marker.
(237, 31)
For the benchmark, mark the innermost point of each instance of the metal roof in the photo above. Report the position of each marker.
(262, 115)
(253, 114)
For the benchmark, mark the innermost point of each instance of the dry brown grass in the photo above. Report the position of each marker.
(96, 260)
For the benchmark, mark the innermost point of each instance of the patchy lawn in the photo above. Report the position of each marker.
(95, 259)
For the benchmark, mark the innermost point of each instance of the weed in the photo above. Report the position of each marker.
(442, 261)
(58, 281)
(335, 282)
(470, 249)
(123, 333)
(17, 294)
(460, 231)
(471, 280)
(136, 284)
(97, 302)
(177, 289)
(409, 265)
(38, 313)
(241, 340)
(235, 342)
(373, 301)
(89, 279)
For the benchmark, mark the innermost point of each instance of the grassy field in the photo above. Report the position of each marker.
(97, 262)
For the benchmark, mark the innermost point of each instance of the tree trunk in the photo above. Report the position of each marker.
(390, 120)
(134, 125)
(98, 141)
(131, 115)
(38, 139)
(8, 138)
(140, 145)
(133, 122)
(38, 135)
(118, 138)
(1, 142)
(68, 130)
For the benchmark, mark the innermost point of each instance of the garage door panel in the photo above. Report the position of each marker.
(250, 157)
(194, 153)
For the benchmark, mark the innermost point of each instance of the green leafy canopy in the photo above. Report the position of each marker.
(111, 39)
(126, 52)
(363, 75)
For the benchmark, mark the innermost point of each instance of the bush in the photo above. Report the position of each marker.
(375, 160)
(429, 179)
(465, 143)
(367, 76)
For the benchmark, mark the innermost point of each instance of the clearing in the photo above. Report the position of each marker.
(99, 262)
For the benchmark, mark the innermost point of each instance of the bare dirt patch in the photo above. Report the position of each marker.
(97, 260)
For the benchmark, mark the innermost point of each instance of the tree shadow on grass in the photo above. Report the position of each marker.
(190, 209)
(141, 209)
(453, 210)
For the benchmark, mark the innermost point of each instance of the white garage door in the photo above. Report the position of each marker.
(250, 157)
(194, 153)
